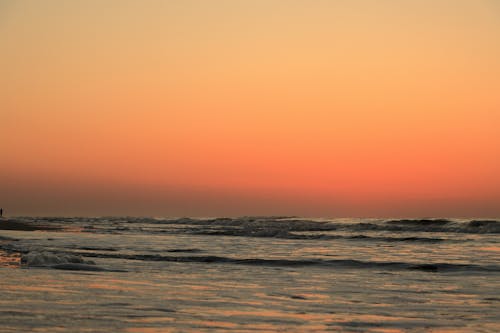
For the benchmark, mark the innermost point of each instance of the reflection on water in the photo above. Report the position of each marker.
(217, 294)
(10, 260)
(150, 330)
(490, 248)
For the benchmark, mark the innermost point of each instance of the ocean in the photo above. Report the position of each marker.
(249, 274)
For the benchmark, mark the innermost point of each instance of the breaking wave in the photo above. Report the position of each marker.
(295, 228)
(279, 227)
(39, 259)
(62, 261)
(270, 227)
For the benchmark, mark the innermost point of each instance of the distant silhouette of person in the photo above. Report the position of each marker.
(1, 212)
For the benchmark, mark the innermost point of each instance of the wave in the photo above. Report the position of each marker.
(278, 227)
(288, 235)
(83, 267)
(397, 239)
(60, 260)
(336, 263)
(442, 225)
(426, 222)
(39, 259)
(270, 227)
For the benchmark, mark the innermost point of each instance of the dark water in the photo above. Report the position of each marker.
(249, 274)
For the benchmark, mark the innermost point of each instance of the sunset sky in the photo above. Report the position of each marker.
(231, 107)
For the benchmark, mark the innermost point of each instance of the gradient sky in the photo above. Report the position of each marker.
(232, 107)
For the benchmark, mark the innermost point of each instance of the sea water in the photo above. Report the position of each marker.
(250, 274)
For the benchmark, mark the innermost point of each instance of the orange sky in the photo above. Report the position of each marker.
(232, 107)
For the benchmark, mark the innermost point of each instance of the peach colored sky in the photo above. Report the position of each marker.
(231, 107)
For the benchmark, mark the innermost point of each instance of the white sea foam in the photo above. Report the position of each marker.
(47, 259)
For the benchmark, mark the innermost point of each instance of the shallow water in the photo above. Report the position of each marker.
(251, 274)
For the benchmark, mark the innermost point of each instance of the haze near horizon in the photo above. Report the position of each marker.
(216, 108)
